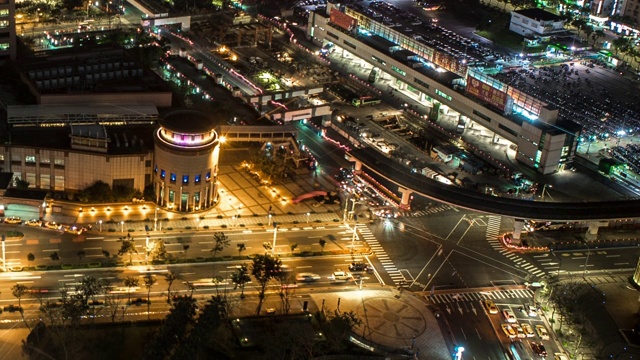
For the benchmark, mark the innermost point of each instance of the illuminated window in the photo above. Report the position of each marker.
(185, 179)
(172, 178)
(163, 174)
(197, 179)
(208, 176)
(155, 169)
(30, 159)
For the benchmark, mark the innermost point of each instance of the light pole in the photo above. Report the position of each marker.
(275, 234)
(269, 223)
(544, 190)
(308, 215)
(146, 249)
(586, 261)
(121, 226)
(100, 222)
(197, 222)
(4, 255)
(155, 220)
(353, 238)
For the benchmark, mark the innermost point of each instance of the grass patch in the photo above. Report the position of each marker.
(505, 38)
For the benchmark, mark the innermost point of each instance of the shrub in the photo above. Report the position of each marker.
(205, 227)
(224, 226)
(169, 228)
(94, 265)
(111, 230)
(220, 216)
(188, 227)
(66, 266)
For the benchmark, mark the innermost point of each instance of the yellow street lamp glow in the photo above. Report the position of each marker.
(223, 139)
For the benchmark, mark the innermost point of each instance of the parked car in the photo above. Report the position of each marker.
(12, 308)
(509, 331)
(53, 225)
(33, 222)
(509, 315)
(528, 330)
(340, 276)
(538, 349)
(530, 310)
(13, 220)
(519, 332)
(542, 332)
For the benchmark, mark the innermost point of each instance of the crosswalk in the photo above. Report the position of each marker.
(430, 211)
(492, 235)
(495, 295)
(382, 256)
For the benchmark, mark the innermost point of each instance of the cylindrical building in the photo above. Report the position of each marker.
(187, 149)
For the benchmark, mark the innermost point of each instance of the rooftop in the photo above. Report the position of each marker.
(538, 14)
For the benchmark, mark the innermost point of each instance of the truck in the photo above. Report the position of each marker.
(365, 101)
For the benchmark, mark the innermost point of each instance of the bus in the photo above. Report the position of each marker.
(365, 101)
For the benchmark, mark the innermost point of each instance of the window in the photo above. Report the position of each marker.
(172, 196)
(172, 178)
(59, 182)
(333, 35)
(155, 169)
(44, 160)
(420, 82)
(482, 116)
(147, 163)
(185, 179)
(4, 23)
(59, 162)
(163, 174)
(349, 44)
(4, 12)
(378, 60)
(31, 179)
(45, 181)
(30, 159)
(196, 198)
(1, 157)
(196, 179)
(208, 176)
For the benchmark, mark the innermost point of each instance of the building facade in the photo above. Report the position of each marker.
(186, 155)
(535, 22)
(7, 30)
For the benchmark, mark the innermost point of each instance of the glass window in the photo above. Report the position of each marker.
(30, 159)
(172, 196)
(197, 179)
(185, 179)
(208, 177)
(172, 178)
(45, 181)
(147, 163)
(163, 174)
(155, 169)
(59, 162)
(59, 183)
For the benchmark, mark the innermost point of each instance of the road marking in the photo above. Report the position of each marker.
(49, 250)
(55, 241)
(613, 264)
(32, 242)
(613, 255)
(94, 248)
(95, 238)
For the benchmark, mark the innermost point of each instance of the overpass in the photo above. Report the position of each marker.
(596, 213)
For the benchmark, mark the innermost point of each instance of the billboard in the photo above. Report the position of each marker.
(342, 20)
(487, 93)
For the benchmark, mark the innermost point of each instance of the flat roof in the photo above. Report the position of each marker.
(21, 111)
(538, 14)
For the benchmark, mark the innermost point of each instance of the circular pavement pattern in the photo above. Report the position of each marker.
(391, 318)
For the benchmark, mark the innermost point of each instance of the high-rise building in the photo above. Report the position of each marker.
(7, 30)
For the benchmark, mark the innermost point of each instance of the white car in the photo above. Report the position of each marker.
(33, 222)
(340, 276)
(13, 220)
(509, 315)
(519, 332)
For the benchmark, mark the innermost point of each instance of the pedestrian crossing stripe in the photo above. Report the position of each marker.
(378, 250)
(433, 210)
(476, 296)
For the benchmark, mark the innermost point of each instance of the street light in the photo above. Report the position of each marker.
(275, 234)
(308, 215)
(544, 190)
(146, 249)
(353, 238)
(155, 220)
(121, 226)
(100, 222)
(586, 261)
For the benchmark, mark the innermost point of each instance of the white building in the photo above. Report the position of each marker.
(535, 23)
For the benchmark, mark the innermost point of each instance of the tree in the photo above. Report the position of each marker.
(241, 247)
(519, 4)
(285, 281)
(185, 248)
(158, 250)
(131, 282)
(620, 44)
(127, 246)
(240, 278)
(18, 291)
(22, 184)
(588, 29)
(264, 268)
(580, 24)
(149, 281)
(72, 4)
(597, 34)
(173, 330)
(170, 277)
(31, 257)
(322, 243)
(293, 246)
(80, 254)
(87, 291)
(221, 241)
(54, 256)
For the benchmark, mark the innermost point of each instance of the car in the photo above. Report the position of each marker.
(519, 331)
(369, 191)
(491, 307)
(53, 225)
(13, 220)
(33, 222)
(542, 332)
(12, 308)
(528, 330)
(508, 330)
(340, 276)
(307, 277)
(530, 310)
(138, 301)
(509, 315)
(359, 267)
(538, 349)
(73, 229)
